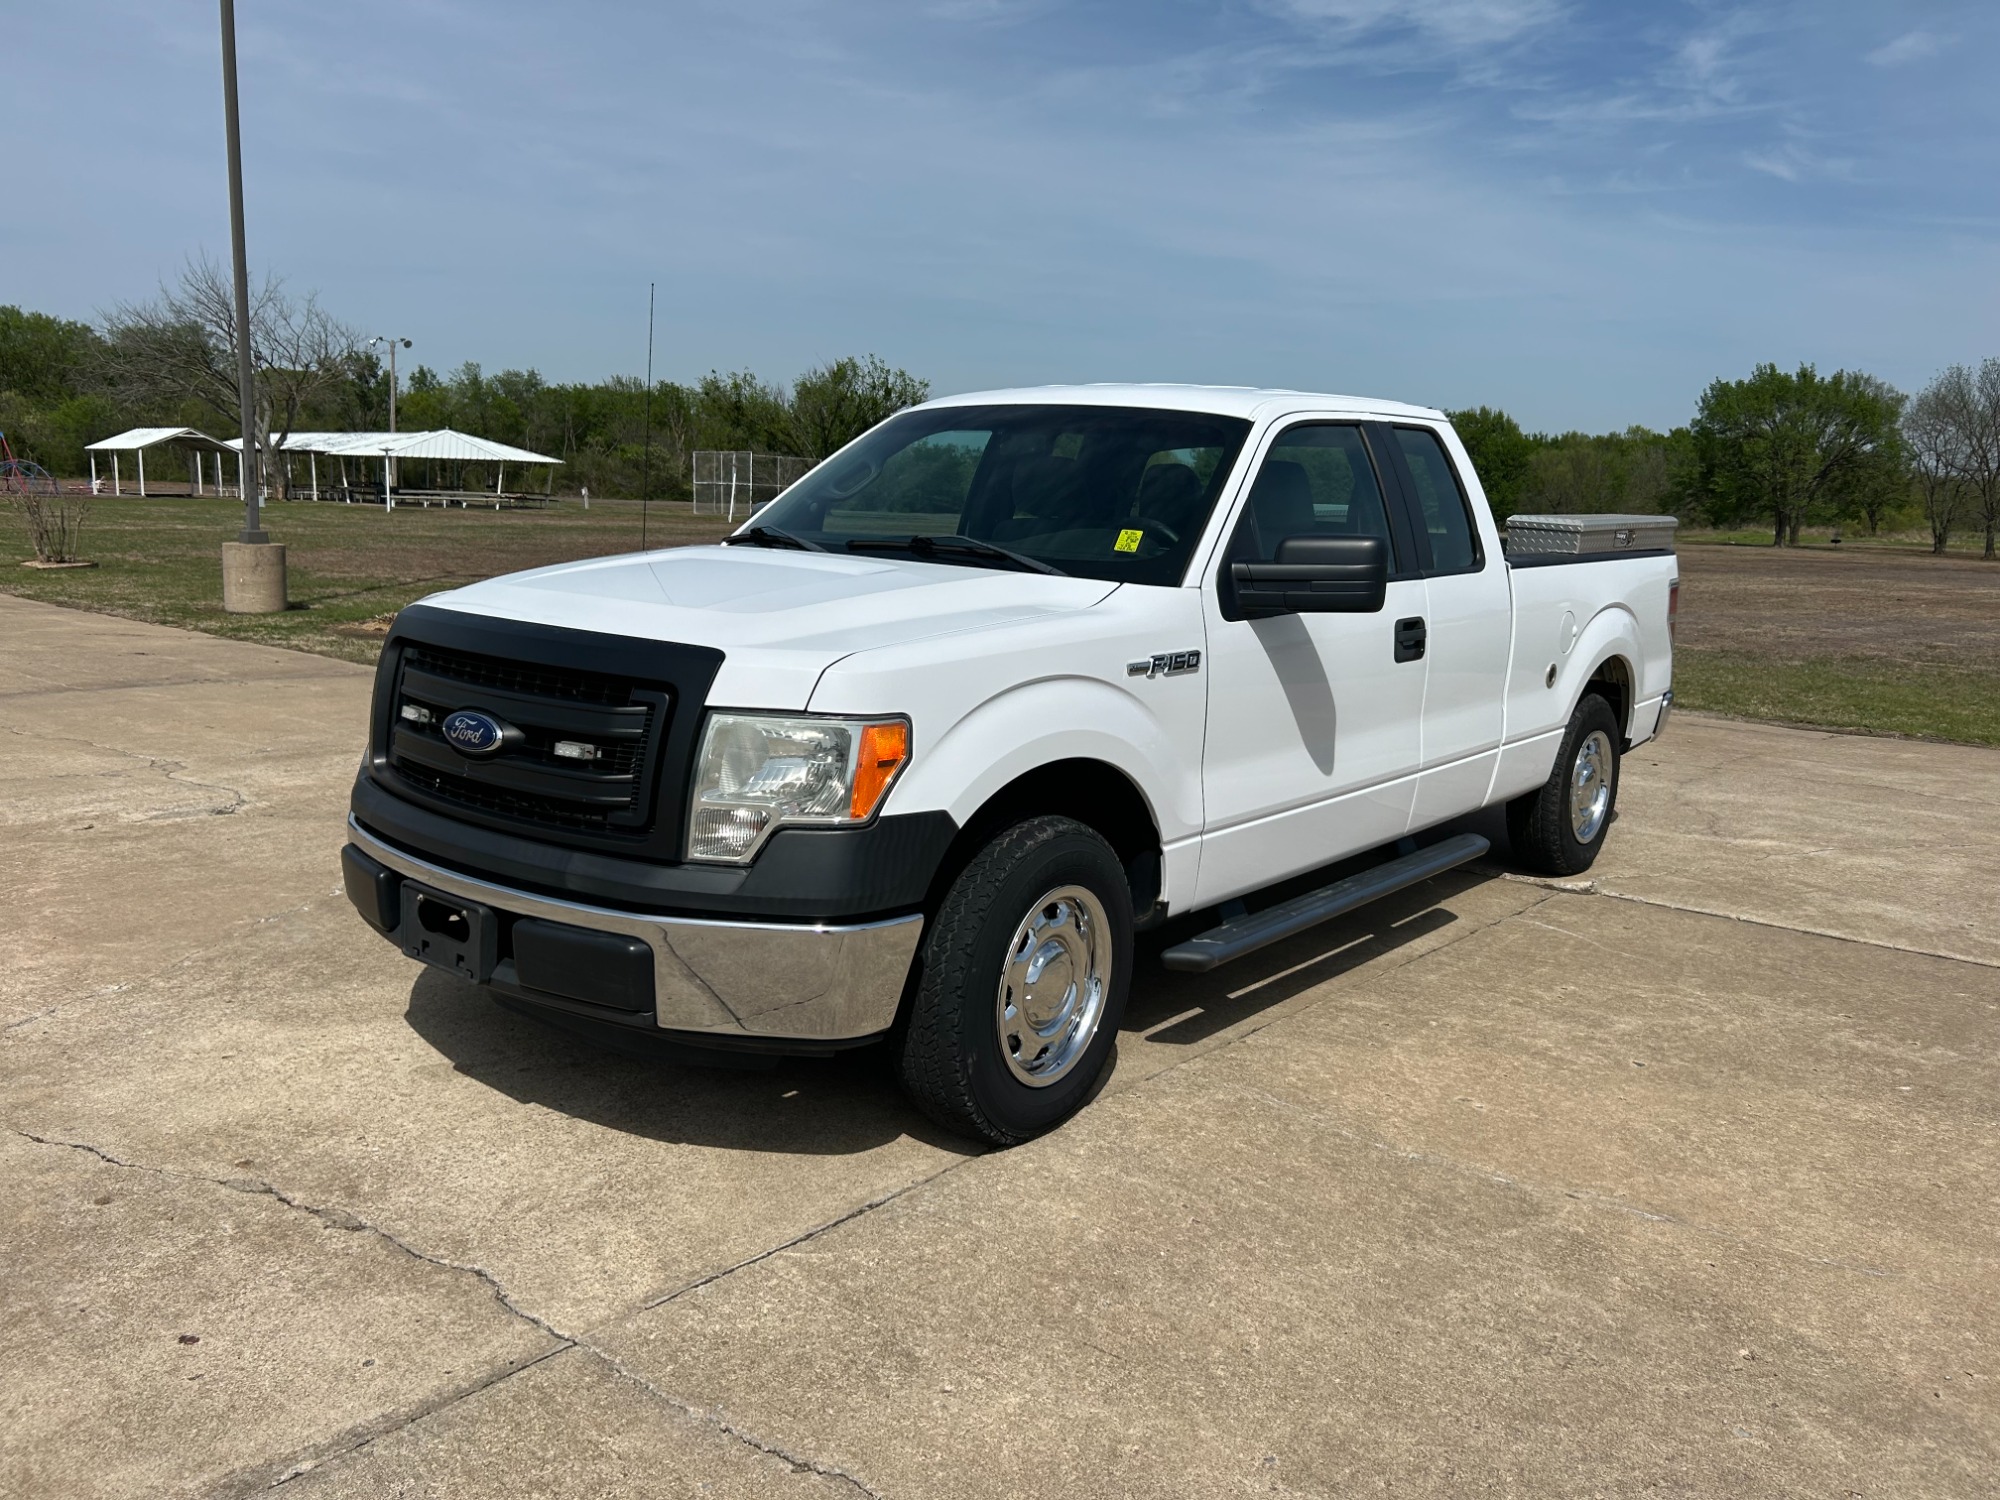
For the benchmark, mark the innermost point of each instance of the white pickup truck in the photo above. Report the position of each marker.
(914, 754)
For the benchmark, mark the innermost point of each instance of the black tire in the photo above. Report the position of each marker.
(952, 1060)
(1540, 824)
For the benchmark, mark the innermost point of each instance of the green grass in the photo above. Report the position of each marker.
(353, 567)
(1859, 693)
(350, 567)
(1966, 541)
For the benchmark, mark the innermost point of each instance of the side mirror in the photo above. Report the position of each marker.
(1315, 575)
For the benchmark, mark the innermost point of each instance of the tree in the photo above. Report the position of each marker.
(1937, 455)
(45, 360)
(834, 404)
(181, 348)
(1572, 476)
(740, 411)
(1970, 402)
(1792, 447)
(1501, 455)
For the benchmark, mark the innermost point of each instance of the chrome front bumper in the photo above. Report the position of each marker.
(771, 980)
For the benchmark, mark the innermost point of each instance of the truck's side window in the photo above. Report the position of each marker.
(1316, 480)
(1447, 519)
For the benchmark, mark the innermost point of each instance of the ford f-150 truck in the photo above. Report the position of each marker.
(914, 753)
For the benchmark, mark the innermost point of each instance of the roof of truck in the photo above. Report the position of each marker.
(1224, 400)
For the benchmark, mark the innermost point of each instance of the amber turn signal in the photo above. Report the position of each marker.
(884, 748)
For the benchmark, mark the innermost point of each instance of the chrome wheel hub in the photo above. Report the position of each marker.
(1053, 986)
(1590, 787)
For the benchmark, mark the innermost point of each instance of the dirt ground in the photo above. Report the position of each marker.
(1805, 604)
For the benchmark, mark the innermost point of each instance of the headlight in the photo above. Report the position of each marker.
(759, 773)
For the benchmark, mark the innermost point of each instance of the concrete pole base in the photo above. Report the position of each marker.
(253, 578)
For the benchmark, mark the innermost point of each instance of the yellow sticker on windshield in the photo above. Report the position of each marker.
(1128, 541)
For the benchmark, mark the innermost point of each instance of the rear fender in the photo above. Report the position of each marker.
(1612, 636)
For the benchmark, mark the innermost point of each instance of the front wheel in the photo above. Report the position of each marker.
(1558, 829)
(1025, 969)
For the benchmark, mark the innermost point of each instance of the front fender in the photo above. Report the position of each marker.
(1051, 719)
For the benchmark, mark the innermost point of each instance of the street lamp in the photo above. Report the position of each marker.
(392, 341)
(253, 566)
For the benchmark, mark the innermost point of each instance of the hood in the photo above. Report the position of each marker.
(780, 618)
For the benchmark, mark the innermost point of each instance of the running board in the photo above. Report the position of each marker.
(1246, 934)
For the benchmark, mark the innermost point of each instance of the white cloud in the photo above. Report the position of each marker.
(1791, 162)
(1457, 24)
(1911, 46)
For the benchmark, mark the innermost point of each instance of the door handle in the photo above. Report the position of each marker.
(1410, 638)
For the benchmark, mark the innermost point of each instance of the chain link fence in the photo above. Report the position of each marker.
(737, 484)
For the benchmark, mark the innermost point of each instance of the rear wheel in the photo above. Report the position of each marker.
(1558, 828)
(1025, 969)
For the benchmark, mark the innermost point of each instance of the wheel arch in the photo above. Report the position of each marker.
(1610, 643)
(1614, 680)
(1096, 793)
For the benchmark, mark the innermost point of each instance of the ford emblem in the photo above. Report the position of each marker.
(471, 732)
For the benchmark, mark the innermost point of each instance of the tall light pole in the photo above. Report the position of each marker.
(392, 341)
(253, 567)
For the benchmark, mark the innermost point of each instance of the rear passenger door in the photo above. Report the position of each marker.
(1469, 625)
(1314, 720)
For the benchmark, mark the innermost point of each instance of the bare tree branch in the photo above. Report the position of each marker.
(181, 348)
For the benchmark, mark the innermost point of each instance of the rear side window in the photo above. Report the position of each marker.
(1447, 519)
(1317, 480)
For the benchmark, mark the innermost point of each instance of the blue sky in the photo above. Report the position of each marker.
(1581, 212)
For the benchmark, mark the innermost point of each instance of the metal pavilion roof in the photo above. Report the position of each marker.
(147, 437)
(444, 443)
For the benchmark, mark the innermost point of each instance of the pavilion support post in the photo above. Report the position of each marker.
(313, 460)
(93, 473)
(388, 488)
(115, 486)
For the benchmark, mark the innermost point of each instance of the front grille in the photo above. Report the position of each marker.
(526, 782)
(572, 685)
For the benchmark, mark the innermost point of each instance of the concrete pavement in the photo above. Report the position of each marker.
(1678, 1180)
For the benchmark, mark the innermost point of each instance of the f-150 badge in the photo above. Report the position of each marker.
(1166, 664)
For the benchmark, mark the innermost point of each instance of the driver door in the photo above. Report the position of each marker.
(1314, 720)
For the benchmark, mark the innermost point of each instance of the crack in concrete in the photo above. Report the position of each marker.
(1593, 887)
(343, 1219)
(169, 770)
(808, 1235)
(713, 1417)
(338, 1218)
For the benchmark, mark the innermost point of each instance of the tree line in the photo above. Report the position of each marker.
(1779, 449)
(170, 361)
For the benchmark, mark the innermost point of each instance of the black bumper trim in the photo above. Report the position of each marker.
(882, 869)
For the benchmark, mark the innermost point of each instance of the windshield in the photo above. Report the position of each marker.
(1117, 493)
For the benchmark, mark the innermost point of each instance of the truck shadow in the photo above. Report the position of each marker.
(1184, 1009)
(823, 1106)
(850, 1102)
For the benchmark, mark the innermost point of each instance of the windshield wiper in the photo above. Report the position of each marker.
(770, 536)
(964, 546)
